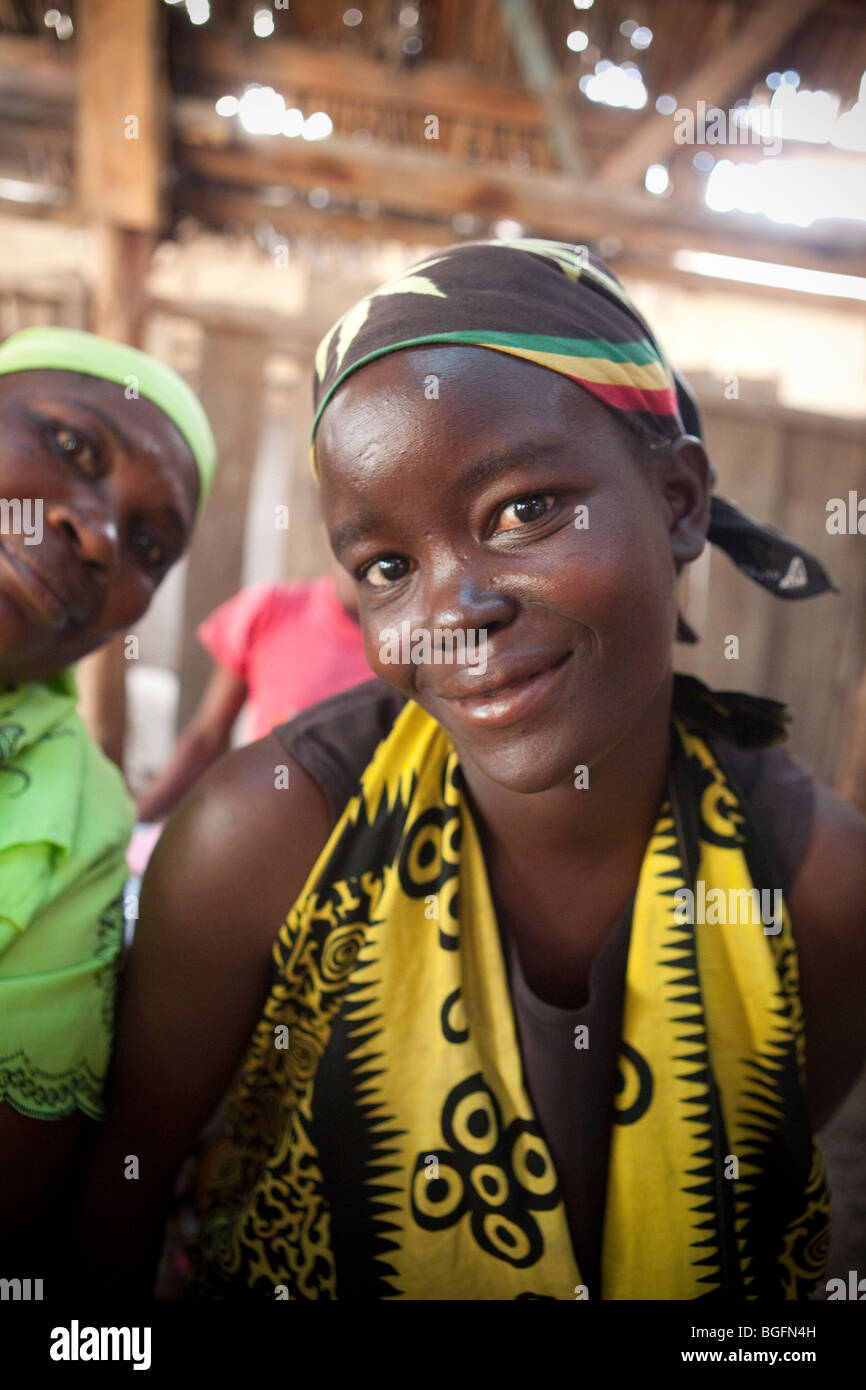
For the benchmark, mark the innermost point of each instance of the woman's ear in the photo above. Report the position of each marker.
(686, 479)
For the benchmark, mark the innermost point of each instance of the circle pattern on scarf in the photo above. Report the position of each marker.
(722, 821)
(503, 1173)
(634, 1086)
(429, 859)
(448, 918)
(455, 1029)
(430, 853)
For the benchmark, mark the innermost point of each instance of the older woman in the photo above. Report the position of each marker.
(105, 459)
(499, 1047)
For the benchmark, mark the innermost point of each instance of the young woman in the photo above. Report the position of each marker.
(493, 1052)
(105, 458)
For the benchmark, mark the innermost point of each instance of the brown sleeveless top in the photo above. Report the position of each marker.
(572, 1095)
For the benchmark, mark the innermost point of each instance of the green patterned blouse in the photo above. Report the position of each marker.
(65, 822)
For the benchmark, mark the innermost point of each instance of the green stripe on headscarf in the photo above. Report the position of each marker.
(69, 350)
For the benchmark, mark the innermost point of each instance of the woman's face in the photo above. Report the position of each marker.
(450, 479)
(100, 495)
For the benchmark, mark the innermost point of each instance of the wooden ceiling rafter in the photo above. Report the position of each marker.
(714, 82)
(541, 75)
(437, 87)
(551, 203)
(411, 188)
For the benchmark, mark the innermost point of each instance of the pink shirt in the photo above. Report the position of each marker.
(292, 644)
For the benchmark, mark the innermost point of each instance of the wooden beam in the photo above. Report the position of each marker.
(101, 680)
(719, 78)
(435, 187)
(217, 208)
(540, 73)
(37, 60)
(437, 88)
(120, 295)
(281, 332)
(306, 553)
(117, 312)
(43, 77)
(121, 113)
(119, 191)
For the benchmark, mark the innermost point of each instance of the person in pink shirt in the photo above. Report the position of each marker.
(276, 647)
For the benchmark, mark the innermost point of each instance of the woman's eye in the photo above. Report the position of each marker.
(383, 572)
(74, 447)
(524, 510)
(150, 550)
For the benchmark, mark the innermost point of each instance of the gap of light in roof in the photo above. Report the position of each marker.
(786, 277)
(60, 23)
(22, 191)
(263, 111)
(812, 117)
(657, 179)
(796, 192)
(615, 86)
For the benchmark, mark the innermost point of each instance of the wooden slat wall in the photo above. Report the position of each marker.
(782, 466)
(231, 387)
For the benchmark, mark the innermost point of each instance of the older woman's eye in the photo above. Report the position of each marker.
(383, 572)
(149, 550)
(74, 447)
(524, 510)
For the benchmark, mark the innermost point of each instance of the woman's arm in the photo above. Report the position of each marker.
(828, 914)
(205, 738)
(226, 872)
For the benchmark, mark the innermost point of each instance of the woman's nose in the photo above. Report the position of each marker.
(464, 599)
(92, 535)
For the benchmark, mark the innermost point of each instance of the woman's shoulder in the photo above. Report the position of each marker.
(335, 739)
(235, 856)
(238, 850)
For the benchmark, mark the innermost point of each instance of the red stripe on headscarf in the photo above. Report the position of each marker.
(659, 402)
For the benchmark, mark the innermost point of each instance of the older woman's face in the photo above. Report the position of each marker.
(97, 501)
(450, 480)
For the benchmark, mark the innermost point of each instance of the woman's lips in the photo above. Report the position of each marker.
(511, 702)
(29, 586)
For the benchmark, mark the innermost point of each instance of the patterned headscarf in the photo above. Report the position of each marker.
(497, 294)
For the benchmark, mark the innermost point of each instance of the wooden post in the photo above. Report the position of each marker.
(101, 679)
(307, 554)
(120, 141)
(118, 312)
(121, 111)
(231, 390)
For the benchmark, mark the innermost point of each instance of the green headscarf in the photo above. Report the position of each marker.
(68, 350)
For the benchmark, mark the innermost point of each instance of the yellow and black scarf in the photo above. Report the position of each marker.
(388, 1040)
